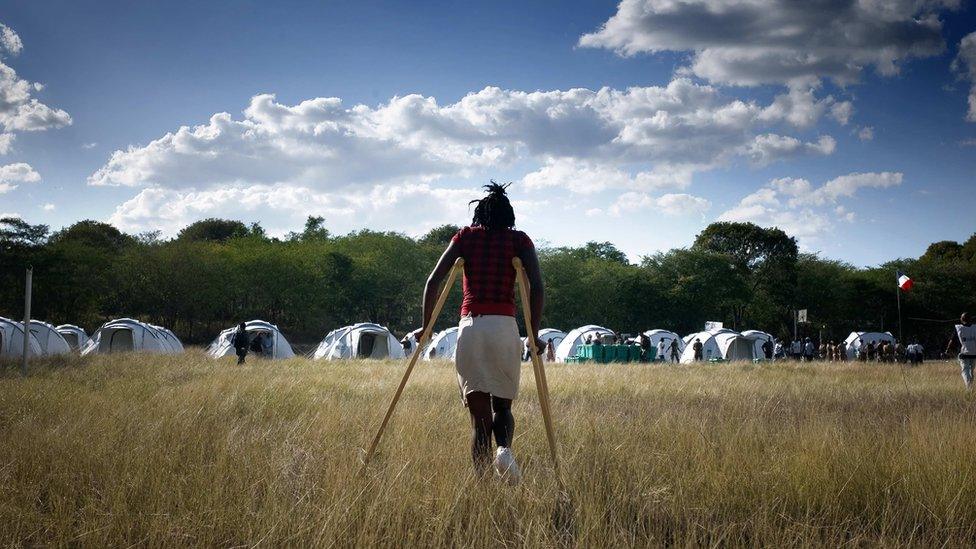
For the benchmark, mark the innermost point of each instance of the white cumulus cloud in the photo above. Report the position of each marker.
(965, 64)
(803, 210)
(644, 139)
(19, 109)
(383, 207)
(19, 172)
(584, 177)
(672, 204)
(10, 43)
(751, 42)
(770, 147)
(320, 142)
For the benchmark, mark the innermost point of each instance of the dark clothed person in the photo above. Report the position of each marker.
(239, 341)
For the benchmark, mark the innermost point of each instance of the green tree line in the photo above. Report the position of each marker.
(217, 272)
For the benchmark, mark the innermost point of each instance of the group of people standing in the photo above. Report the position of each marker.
(882, 351)
(872, 351)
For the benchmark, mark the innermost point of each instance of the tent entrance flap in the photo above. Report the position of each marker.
(120, 341)
(373, 345)
(740, 349)
(72, 339)
(366, 344)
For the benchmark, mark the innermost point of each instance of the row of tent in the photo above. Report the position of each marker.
(124, 334)
(723, 343)
(370, 341)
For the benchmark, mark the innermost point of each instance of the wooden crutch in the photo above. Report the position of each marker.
(424, 338)
(542, 386)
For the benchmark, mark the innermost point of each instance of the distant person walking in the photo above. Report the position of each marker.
(488, 343)
(809, 350)
(661, 346)
(796, 350)
(240, 343)
(965, 341)
(675, 353)
(915, 353)
(767, 349)
(550, 351)
(644, 343)
(697, 347)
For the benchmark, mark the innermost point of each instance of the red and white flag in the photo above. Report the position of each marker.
(904, 282)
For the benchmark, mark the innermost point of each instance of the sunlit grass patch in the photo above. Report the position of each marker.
(124, 449)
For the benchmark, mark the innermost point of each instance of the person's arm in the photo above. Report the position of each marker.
(950, 346)
(537, 294)
(433, 286)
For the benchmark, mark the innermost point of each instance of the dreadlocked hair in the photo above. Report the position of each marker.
(494, 211)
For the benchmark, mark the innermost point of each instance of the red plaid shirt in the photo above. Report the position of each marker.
(489, 278)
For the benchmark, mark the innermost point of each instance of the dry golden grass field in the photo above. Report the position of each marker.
(186, 451)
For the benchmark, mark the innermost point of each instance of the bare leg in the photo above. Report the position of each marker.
(503, 423)
(479, 406)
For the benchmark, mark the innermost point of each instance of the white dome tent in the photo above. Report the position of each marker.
(724, 344)
(545, 334)
(667, 336)
(127, 334)
(74, 335)
(854, 341)
(443, 345)
(575, 338)
(51, 342)
(364, 340)
(277, 348)
(758, 339)
(12, 340)
(170, 337)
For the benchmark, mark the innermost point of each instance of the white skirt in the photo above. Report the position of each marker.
(488, 356)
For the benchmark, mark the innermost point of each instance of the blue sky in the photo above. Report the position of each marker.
(844, 122)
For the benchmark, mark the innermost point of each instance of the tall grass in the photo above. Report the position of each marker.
(184, 450)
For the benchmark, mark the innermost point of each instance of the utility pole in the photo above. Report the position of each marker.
(27, 319)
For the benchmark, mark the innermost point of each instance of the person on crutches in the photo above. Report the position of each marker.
(489, 349)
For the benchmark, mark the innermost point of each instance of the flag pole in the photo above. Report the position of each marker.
(898, 298)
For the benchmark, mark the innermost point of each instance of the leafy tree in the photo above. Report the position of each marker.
(763, 259)
(17, 233)
(598, 250)
(440, 236)
(21, 244)
(945, 249)
(314, 230)
(699, 285)
(968, 251)
(213, 230)
(94, 234)
(217, 274)
(257, 230)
